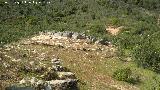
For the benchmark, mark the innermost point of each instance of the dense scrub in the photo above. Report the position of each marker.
(148, 4)
(90, 16)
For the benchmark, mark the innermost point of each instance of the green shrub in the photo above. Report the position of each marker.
(97, 30)
(125, 75)
(147, 56)
(115, 21)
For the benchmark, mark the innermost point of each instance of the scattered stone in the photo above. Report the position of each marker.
(49, 77)
(6, 65)
(33, 81)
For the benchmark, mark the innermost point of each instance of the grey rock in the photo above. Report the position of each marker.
(56, 61)
(57, 67)
(48, 87)
(78, 36)
(70, 84)
(67, 34)
(102, 41)
(58, 34)
(92, 39)
(75, 35)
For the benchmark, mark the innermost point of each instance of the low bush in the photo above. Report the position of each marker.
(125, 75)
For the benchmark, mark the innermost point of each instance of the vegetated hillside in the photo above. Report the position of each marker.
(139, 37)
(76, 15)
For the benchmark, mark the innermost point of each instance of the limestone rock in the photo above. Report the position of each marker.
(66, 75)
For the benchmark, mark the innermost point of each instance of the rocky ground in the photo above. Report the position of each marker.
(58, 61)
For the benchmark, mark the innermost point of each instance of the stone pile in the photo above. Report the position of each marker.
(75, 36)
(68, 39)
(55, 78)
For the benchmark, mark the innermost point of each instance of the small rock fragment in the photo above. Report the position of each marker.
(32, 63)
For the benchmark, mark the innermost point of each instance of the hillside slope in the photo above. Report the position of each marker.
(137, 37)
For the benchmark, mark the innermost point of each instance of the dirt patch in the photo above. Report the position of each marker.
(113, 30)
